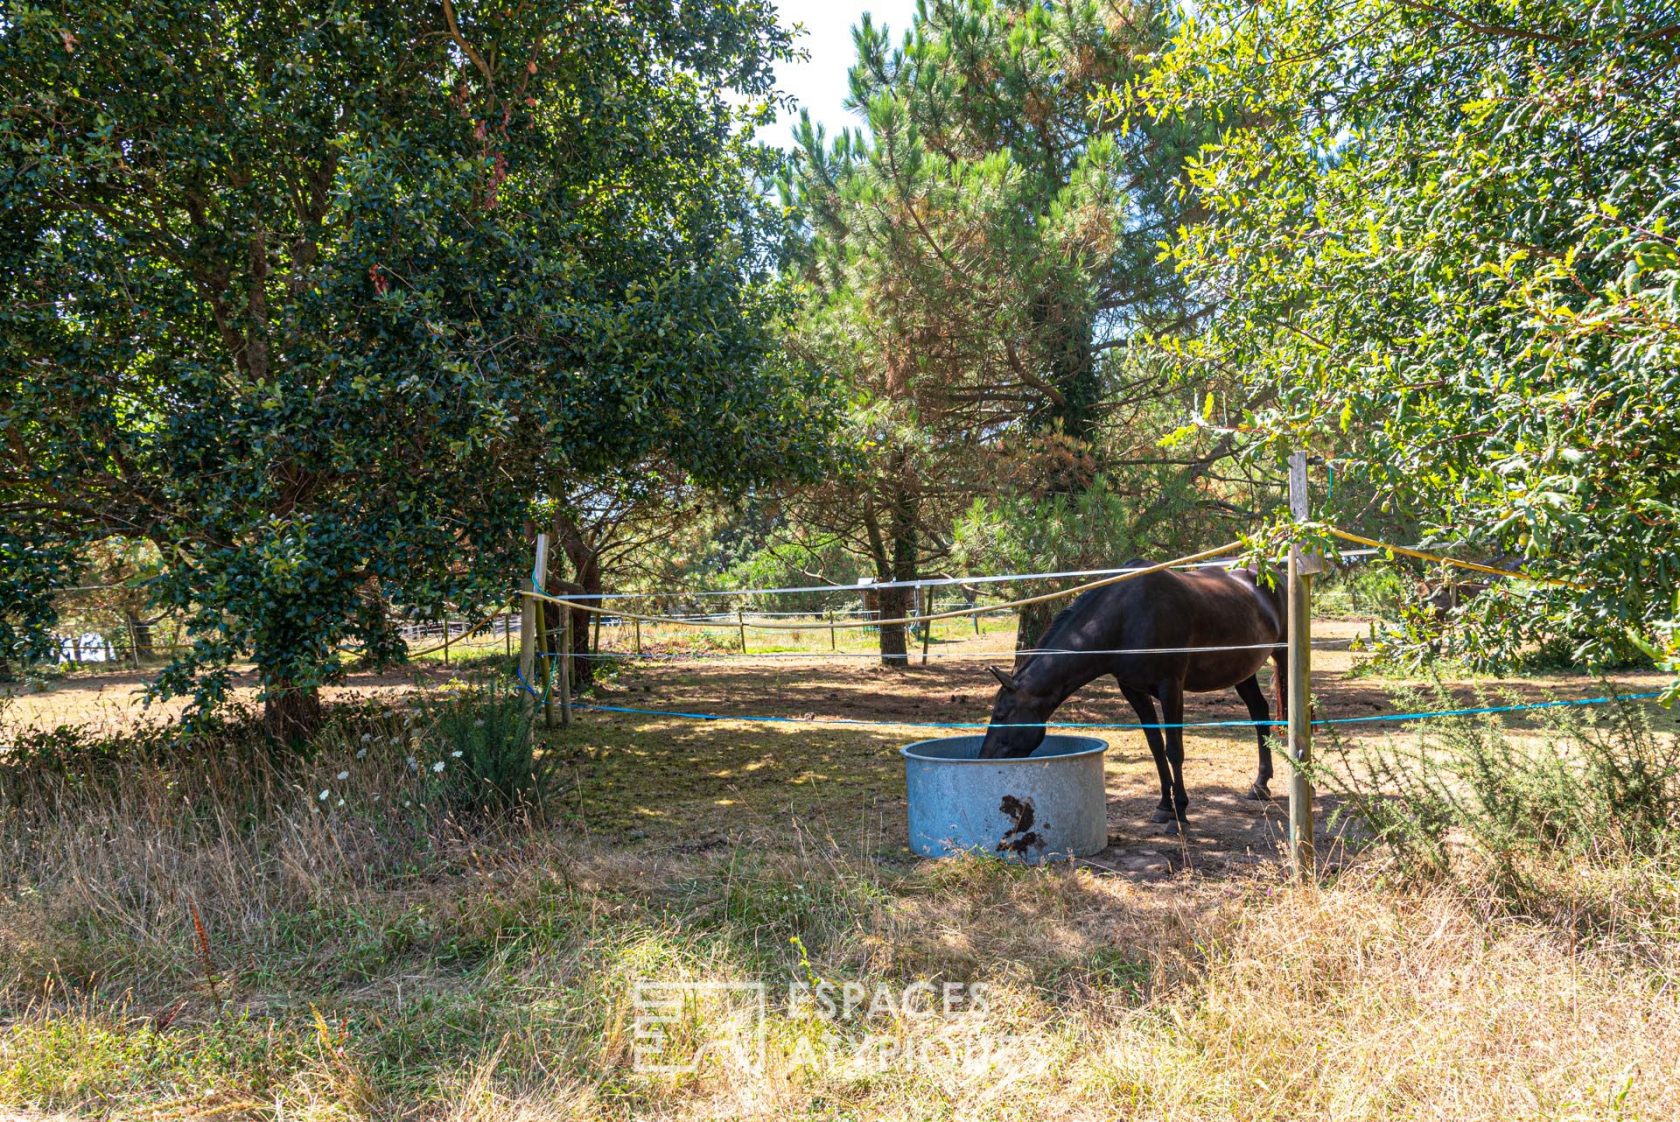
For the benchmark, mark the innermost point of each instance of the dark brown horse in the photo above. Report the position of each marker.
(1151, 619)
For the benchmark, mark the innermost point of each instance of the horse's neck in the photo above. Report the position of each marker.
(1042, 678)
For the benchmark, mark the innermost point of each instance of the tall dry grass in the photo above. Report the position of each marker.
(221, 840)
(194, 929)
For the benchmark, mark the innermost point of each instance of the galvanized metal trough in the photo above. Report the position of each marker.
(1048, 806)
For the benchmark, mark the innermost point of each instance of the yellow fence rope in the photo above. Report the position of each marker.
(1424, 555)
(960, 613)
(1129, 574)
(453, 639)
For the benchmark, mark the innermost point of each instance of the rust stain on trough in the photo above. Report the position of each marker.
(1020, 837)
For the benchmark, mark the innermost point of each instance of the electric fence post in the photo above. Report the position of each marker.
(566, 670)
(1302, 566)
(530, 620)
(927, 624)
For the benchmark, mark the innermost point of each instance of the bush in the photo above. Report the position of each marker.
(482, 737)
(1383, 591)
(1579, 820)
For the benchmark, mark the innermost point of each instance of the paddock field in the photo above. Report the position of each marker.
(308, 963)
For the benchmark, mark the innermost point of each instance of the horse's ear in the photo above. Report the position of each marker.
(1004, 680)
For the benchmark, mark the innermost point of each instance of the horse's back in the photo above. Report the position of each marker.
(1154, 616)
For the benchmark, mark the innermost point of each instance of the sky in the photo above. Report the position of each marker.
(819, 83)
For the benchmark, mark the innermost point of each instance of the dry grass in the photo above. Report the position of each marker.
(378, 958)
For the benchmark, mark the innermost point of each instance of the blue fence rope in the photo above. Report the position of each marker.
(1318, 723)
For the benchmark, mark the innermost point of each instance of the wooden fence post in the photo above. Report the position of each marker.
(833, 643)
(638, 624)
(1302, 566)
(741, 622)
(927, 624)
(566, 671)
(530, 622)
(446, 640)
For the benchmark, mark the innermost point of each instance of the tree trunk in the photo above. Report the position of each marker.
(292, 713)
(895, 602)
(583, 667)
(142, 632)
(584, 559)
(1031, 622)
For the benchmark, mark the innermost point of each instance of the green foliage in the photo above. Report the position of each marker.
(1471, 802)
(793, 565)
(996, 239)
(1444, 242)
(314, 296)
(482, 737)
(978, 263)
(28, 571)
(1379, 590)
(1105, 524)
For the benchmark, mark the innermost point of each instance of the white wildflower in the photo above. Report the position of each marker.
(438, 766)
(367, 738)
(361, 754)
(323, 796)
(344, 775)
(456, 754)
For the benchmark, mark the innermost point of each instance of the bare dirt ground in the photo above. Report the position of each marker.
(692, 785)
(1226, 831)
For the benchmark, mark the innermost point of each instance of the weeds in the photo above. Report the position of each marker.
(483, 736)
(1580, 825)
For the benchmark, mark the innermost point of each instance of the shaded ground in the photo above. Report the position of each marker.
(659, 777)
(687, 785)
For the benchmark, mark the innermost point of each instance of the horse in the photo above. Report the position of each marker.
(1135, 630)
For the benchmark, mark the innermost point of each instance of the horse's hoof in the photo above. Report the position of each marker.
(1162, 814)
(1171, 825)
(1259, 792)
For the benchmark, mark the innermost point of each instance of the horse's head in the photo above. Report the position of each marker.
(1017, 704)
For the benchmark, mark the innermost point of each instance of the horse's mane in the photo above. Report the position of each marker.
(1059, 621)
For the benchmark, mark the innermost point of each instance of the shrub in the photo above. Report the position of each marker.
(1383, 591)
(1578, 820)
(481, 735)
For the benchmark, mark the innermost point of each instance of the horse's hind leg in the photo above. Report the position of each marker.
(1144, 706)
(1260, 713)
(1172, 715)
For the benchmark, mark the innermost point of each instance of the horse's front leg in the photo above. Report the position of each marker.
(1144, 706)
(1255, 698)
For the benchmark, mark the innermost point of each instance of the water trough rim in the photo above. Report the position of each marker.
(1095, 746)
